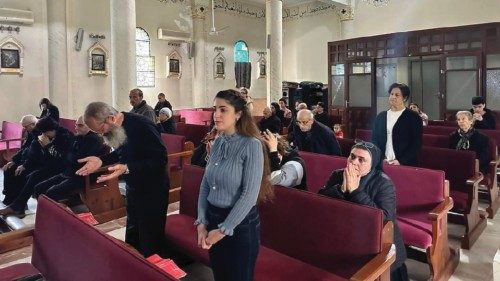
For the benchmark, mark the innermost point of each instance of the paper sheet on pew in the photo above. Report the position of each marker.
(88, 218)
(167, 265)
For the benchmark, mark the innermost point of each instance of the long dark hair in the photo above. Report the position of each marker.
(245, 126)
(45, 101)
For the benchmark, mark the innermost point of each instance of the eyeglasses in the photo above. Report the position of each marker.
(363, 143)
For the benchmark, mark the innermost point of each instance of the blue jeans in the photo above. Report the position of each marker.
(233, 257)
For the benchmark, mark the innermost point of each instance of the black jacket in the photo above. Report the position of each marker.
(199, 157)
(51, 111)
(160, 105)
(488, 122)
(406, 136)
(145, 156)
(167, 127)
(320, 139)
(22, 154)
(53, 156)
(377, 192)
(322, 118)
(273, 124)
(90, 144)
(479, 144)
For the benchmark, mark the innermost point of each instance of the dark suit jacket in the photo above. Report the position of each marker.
(320, 139)
(479, 144)
(406, 136)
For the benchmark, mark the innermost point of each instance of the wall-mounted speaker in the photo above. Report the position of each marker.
(79, 39)
(191, 49)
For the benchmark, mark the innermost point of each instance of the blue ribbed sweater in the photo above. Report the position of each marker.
(232, 179)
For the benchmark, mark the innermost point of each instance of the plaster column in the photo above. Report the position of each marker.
(59, 91)
(274, 27)
(199, 12)
(123, 72)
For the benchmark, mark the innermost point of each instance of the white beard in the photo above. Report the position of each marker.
(116, 137)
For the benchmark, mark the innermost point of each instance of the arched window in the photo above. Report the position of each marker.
(241, 51)
(145, 63)
(242, 65)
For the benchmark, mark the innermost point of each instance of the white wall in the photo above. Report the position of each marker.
(305, 44)
(151, 15)
(253, 32)
(19, 95)
(408, 15)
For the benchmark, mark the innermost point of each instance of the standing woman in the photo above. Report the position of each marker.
(236, 176)
(398, 131)
(48, 109)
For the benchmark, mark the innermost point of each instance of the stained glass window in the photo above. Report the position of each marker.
(241, 51)
(145, 63)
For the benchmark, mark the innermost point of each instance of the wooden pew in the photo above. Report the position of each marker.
(66, 248)
(193, 132)
(423, 202)
(319, 167)
(103, 199)
(179, 152)
(199, 117)
(68, 124)
(464, 183)
(354, 242)
(363, 134)
(345, 146)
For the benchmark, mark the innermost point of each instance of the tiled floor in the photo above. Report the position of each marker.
(475, 264)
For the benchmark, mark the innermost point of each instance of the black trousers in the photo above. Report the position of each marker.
(233, 257)
(146, 218)
(32, 179)
(12, 184)
(400, 273)
(60, 186)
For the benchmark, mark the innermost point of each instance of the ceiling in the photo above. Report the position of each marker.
(286, 3)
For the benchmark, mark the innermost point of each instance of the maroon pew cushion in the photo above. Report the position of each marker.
(68, 124)
(341, 241)
(181, 234)
(319, 167)
(193, 132)
(365, 135)
(191, 180)
(66, 248)
(441, 141)
(11, 130)
(198, 117)
(17, 271)
(439, 130)
(345, 146)
(174, 144)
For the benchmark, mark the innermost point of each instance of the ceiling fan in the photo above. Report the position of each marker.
(213, 30)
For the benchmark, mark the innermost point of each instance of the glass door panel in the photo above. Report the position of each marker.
(461, 86)
(431, 96)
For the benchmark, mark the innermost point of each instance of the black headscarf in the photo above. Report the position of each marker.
(377, 160)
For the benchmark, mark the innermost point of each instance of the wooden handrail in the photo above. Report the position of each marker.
(441, 210)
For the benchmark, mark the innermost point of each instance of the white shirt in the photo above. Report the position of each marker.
(392, 118)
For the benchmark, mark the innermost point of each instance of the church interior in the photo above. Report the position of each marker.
(340, 58)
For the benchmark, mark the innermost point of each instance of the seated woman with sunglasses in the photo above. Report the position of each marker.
(364, 182)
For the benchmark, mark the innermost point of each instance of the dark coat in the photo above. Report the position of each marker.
(406, 136)
(479, 144)
(377, 192)
(322, 118)
(22, 154)
(145, 156)
(167, 127)
(51, 111)
(320, 139)
(90, 144)
(53, 156)
(273, 124)
(488, 123)
(160, 105)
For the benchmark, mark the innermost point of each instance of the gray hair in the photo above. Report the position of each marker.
(466, 113)
(28, 119)
(99, 111)
(302, 105)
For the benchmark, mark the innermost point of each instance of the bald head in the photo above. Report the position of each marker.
(28, 122)
(305, 114)
(301, 106)
(305, 120)
(267, 112)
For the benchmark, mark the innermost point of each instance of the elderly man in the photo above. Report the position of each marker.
(60, 186)
(292, 124)
(310, 135)
(269, 122)
(140, 156)
(139, 106)
(13, 178)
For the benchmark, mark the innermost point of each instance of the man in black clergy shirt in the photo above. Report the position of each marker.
(141, 157)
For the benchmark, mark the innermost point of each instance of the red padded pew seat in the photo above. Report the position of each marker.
(17, 271)
(319, 167)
